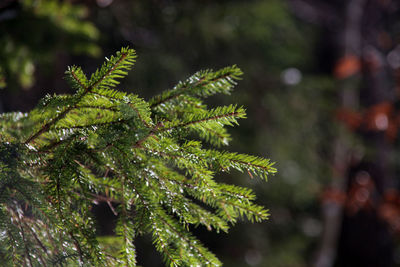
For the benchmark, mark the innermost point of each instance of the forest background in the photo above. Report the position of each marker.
(321, 84)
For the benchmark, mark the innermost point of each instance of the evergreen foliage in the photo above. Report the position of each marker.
(142, 158)
(61, 24)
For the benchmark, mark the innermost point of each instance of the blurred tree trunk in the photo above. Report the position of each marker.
(365, 237)
(349, 47)
(354, 233)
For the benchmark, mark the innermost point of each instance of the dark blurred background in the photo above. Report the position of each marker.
(321, 85)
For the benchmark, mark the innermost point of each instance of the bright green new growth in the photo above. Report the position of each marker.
(140, 157)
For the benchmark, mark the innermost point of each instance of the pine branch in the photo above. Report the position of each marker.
(188, 212)
(114, 68)
(101, 144)
(203, 83)
(226, 115)
(76, 78)
(125, 230)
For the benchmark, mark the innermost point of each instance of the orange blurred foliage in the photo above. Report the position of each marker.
(381, 117)
(347, 66)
